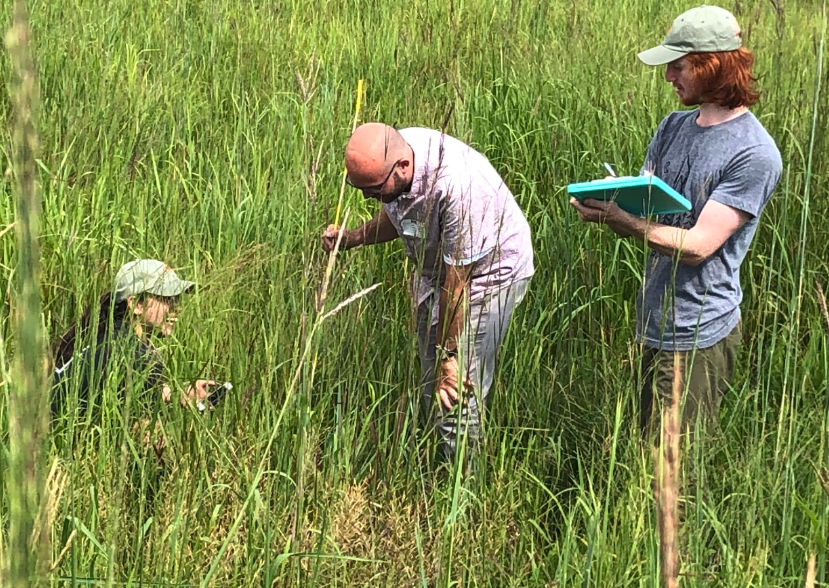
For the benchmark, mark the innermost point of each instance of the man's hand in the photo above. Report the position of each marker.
(329, 238)
(197, 392)
(447, 383)
(608, 213)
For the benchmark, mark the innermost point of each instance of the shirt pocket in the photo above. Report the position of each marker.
(412, 229)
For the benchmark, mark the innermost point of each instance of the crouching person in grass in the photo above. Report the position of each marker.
(471, 247)
(719, 157)
(112, 348)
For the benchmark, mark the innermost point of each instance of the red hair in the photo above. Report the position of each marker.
(725, 77)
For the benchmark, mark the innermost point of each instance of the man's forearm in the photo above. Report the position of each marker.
(670, 241)
(378, 230)
(453, 300)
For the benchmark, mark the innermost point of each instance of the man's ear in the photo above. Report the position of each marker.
(135, 305)
(405, 170)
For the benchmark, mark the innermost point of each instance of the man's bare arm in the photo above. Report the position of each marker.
(454, 297)
(453, 301)
(378, 230)
(716, 223)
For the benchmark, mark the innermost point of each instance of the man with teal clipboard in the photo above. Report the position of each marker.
(721, 159)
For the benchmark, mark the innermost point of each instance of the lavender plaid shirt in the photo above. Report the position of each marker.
(459, 211)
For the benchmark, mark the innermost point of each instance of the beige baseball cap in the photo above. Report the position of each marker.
(704, 29)
(148, 276)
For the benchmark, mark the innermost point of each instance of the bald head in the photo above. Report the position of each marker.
(372, 151)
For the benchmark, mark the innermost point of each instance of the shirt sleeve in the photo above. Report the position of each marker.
(749, 180)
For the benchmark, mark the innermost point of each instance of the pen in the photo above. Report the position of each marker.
(609, 169)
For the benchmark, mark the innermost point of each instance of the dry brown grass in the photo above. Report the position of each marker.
(666, 461)
(811, 570)
(368, 534)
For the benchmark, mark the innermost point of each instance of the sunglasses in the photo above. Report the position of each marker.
(375, 189)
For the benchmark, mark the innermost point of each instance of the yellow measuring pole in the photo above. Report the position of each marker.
(345, 171)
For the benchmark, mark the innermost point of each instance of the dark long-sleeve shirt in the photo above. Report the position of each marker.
(135, 365)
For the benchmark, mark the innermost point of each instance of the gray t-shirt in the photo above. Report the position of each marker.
(735, 163)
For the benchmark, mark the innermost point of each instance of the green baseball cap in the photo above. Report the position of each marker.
(704, 29)
(148, 276)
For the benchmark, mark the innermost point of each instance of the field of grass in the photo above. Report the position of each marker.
(209, 134)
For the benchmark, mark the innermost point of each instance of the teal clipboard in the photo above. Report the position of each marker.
(640, 195)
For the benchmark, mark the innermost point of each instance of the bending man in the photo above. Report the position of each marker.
(472, 251)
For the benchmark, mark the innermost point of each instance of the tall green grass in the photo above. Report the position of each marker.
(28, 514)
(210, 133)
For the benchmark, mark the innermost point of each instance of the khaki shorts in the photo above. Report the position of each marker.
(707, 374)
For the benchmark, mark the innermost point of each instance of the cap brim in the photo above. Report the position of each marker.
(660, 55)
(172, 288)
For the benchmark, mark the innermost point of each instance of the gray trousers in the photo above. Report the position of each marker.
(485, 325)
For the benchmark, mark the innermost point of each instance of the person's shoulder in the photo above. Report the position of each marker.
(755, 128)
(760, 143)
(435, 146)
(417, 133)
(426, 137)
(678, 118)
